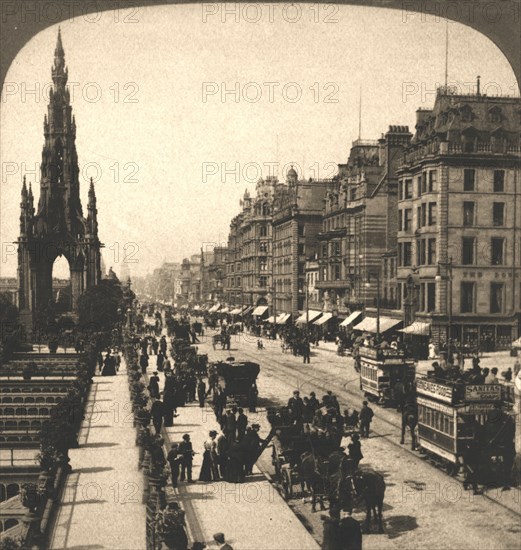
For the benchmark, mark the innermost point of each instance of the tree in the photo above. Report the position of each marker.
(101, 307)
(9, 329)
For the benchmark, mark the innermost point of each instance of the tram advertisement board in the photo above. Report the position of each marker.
(433, 389)
(482, 392)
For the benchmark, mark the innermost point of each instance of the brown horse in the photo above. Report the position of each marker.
(369, 486)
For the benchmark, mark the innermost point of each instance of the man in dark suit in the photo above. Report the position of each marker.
(230, 428)
(157, 412)
(187, 454)
(242, 424)
(296, 407)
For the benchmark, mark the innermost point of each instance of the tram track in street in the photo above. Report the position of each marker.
(342, 390)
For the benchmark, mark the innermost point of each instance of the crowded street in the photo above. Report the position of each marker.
(422, 502)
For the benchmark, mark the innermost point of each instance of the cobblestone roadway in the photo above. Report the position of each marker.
(424, 508)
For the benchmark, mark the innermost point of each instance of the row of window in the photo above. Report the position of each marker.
(427, 183)
(469, 214)
(426, 215)
(468, 297)
(426, 252)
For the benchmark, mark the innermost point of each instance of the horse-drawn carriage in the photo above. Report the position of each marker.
(311, 457)
(237, 379)
(385, 374)
(186, 356)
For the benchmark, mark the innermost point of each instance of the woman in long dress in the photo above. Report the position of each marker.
(206, 473)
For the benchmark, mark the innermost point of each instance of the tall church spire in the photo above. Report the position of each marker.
(59, 71)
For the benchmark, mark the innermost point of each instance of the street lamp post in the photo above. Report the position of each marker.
(368, 285)
(448, 308)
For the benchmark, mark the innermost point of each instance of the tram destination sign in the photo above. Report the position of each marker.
(433, 389)
(482, 392)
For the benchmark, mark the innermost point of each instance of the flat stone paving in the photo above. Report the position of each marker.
(101, 505)
(252, 515)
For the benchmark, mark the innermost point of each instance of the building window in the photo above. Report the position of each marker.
(432, 213)
(467, 297)
(408, 189)
(419, 216)
(497, 291)
(420, 251)
(433, 174)
(337, 249)
(301, 249)
(263, 246)
(323, 273)
(336, 272)
(263, 231)
(400, 220)
(431, 251)
(468, 248)
(424, 215)
(431, 297)
(407, 253)
(324, 251)
(263, 281)
(263, 265)
(496, 250)
(300, 230)
(468, 179)
(499, 181)
(498, 213)
(468, 214)
(407, 219)
(419, 186)
(424, 182)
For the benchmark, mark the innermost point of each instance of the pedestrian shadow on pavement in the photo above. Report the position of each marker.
(93, 470)
(396, 526)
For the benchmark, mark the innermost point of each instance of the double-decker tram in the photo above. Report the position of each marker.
(385, 373)
(457, 421)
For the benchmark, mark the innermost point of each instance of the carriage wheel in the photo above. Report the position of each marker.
(287, 485)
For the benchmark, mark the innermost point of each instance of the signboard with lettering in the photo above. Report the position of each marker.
(445, 409)
(477, 408)
(483, 392)
(433, 389)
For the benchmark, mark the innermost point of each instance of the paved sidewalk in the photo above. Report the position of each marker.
(252, 515)
(101, 505)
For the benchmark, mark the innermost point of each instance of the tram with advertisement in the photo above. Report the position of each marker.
(385, 374)
(456, 418)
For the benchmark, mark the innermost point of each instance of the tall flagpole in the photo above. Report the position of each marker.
(360, 115)
(446, 53)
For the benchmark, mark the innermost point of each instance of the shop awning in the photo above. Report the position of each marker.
(313, 314)
(417, 328)
(214, 308)
(369, 324)
(197, 308)
(516, 343)
(224, 310)
(247, 309)
(283, 318)
(324, 319)
(235, 311)
(352, 317)
(270, 319)
(259, 310)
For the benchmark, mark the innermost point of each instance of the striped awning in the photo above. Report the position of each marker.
(235, 311)
(224, 310)
(214, 308)
(283, 318)
(260, 310)
(417, 328)
(312, 315)
(352, 317)
(369, 324)
(324, 319)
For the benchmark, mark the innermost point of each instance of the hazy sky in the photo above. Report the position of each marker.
(173, 156)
